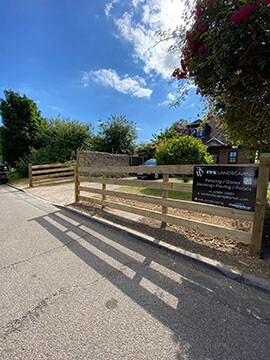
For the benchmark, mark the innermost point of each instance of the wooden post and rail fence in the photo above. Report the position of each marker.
(105, 176)
(48, 174)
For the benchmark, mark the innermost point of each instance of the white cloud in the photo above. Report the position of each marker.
(109, 6)
(139, 25)
(109, 78)
(85, 79)
(169, 100)
(136, 2)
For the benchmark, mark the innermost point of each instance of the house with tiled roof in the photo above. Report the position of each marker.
(218, 145)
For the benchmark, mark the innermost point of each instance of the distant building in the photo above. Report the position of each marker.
(217, 143)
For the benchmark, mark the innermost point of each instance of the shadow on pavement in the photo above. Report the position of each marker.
(193, 305)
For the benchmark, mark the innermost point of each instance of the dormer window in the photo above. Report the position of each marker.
(199, 132)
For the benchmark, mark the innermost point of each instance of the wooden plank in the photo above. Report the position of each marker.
(237, 235)
(48, 171)
(45, 166)
(30, 178)
(165, 193)
(104, 188)
(178, 204)
(265, 159)
(173, 186)
(52, 182)
(76, 184)
(54, 175)
(161, 169)
(96, 191)
(261, 201)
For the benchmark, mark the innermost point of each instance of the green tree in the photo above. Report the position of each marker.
(1, 146)
(58, 141)
(182, 150)
(61, 139)
(21, 122)
(177, 128)
(116, 135)
(226, 52)
(146, 149)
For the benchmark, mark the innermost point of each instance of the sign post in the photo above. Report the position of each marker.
(261, 202)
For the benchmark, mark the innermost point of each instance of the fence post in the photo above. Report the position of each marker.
(261, 201)
(30, 175)
(165, 194)
(76, 182)
(103, 190)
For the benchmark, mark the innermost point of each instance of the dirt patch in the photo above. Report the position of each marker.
(217, 248)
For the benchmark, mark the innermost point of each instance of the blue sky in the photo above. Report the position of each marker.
(89, 59)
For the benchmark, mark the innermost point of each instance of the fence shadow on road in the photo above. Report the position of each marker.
(169, 290)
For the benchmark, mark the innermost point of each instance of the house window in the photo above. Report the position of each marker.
(199, 132)
(232, 157)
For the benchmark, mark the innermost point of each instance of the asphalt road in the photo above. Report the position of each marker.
(72, 288)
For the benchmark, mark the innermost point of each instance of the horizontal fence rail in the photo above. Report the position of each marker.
(87, 192)
(48, 174)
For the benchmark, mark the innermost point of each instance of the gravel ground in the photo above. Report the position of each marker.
(218, 248)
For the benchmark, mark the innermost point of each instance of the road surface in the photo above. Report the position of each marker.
(72, 288)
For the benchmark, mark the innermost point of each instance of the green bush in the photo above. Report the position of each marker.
(21, 167)
(58, 142)
(182, 150)
(35, 157)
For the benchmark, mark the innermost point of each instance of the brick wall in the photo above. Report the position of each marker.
(242, 156)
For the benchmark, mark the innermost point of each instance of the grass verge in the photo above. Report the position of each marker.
(179, 195)
(16, 180)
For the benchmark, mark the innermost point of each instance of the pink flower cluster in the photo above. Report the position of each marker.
(179, 74)
(245, 11)
(195, 39)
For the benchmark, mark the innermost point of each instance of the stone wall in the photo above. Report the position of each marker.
(95, 159)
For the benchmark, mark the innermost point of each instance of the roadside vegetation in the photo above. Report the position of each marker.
(17, 180)
(26, 137)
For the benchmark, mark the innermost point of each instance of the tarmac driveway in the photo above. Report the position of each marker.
(62, 194)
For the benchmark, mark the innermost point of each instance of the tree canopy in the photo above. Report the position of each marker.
(177, 128)
(117, 135)
(58, 141)
(146, 149)
(1, 146)
(226, 52)
(21, 120)
(61, 138)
